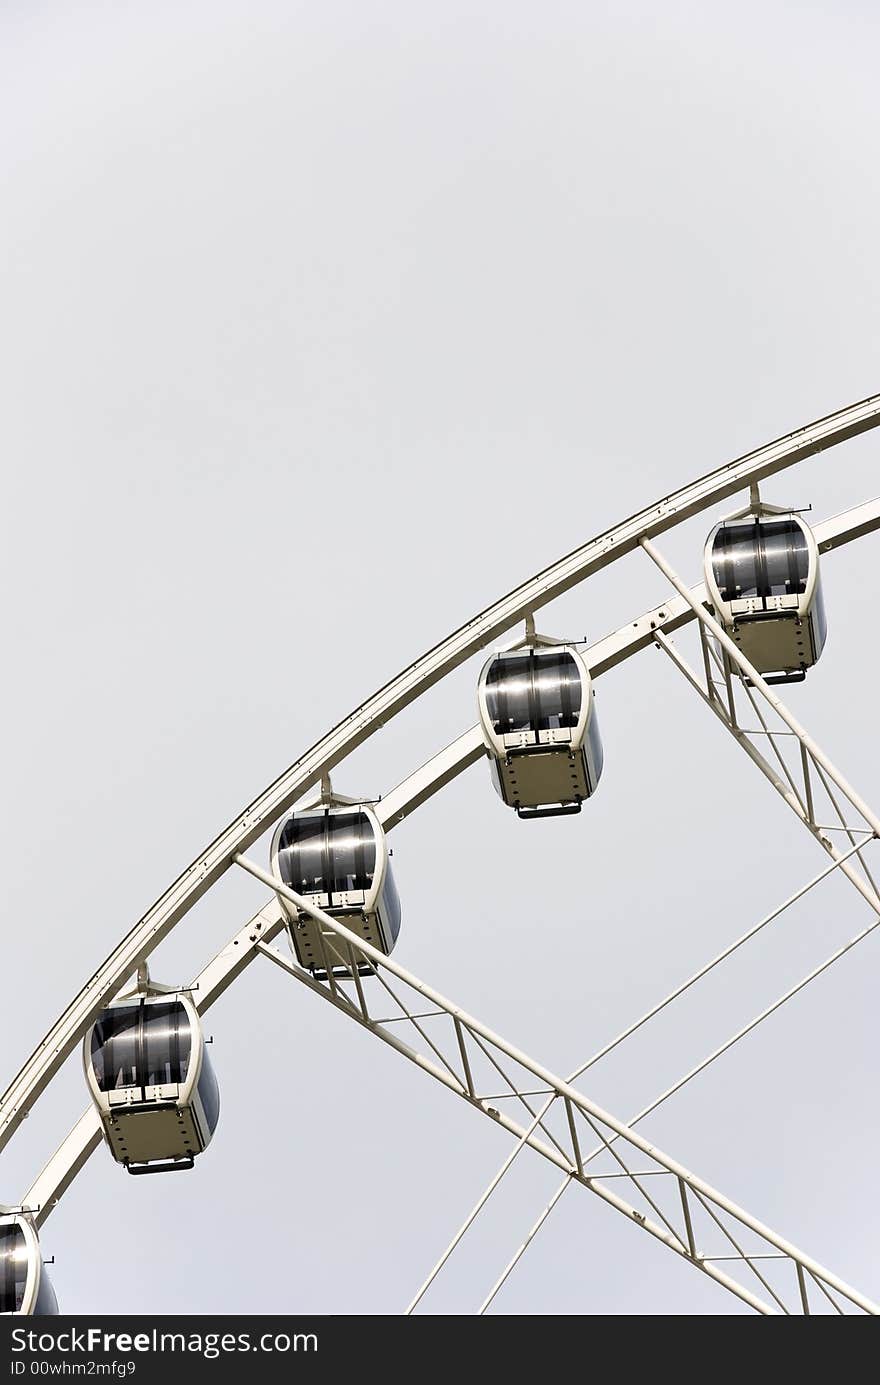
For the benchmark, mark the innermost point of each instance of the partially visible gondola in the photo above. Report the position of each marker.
(25, 1287)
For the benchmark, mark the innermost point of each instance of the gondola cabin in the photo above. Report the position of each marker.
(538, 717)
(762, 578)
(152, 1081)
(336, 855)
(25, 1287)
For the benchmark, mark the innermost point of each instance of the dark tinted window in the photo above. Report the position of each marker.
(820, 624)
(46, 1305)
(13, 1268)
(327, 853)
(391, 906)
(302, 854)
(209, 1092)
(166, 1043)
(533, 692)
(760, 558)
(115, 1047)
(597, 754)
(141, 1045)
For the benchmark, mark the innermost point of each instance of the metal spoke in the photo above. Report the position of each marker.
(514, 1261)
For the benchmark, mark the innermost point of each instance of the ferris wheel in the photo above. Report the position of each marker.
(757, 623)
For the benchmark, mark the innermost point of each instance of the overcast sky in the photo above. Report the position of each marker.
(322, 326)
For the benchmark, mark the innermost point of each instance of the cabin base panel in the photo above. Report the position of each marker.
(775, 646)
(540, 778)
(315, 947)
(146, 1136)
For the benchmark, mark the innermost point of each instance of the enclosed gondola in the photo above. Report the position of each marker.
(25, 1286)
(152, 1081)
(538, 717)
(336, 855)
(762, 579)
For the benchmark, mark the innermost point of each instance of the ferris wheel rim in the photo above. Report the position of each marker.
(87, 1133)
(475, 634)
(575, 567)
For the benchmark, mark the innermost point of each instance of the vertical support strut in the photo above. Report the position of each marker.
(707, 666)
(728, 682)
(575, 1144)
(688, 1225)
(465, 1061)
(808, 784)
(802, 1286)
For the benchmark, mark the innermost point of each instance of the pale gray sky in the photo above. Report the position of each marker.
(322, 326)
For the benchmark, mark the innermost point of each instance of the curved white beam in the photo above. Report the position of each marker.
(148, 932)
(241, 950)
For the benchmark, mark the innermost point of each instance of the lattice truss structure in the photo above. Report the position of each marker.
(551, 1116)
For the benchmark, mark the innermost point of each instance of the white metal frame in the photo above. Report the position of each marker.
(812, 765)
(213, 863)
(263, 927)
(254, 939)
